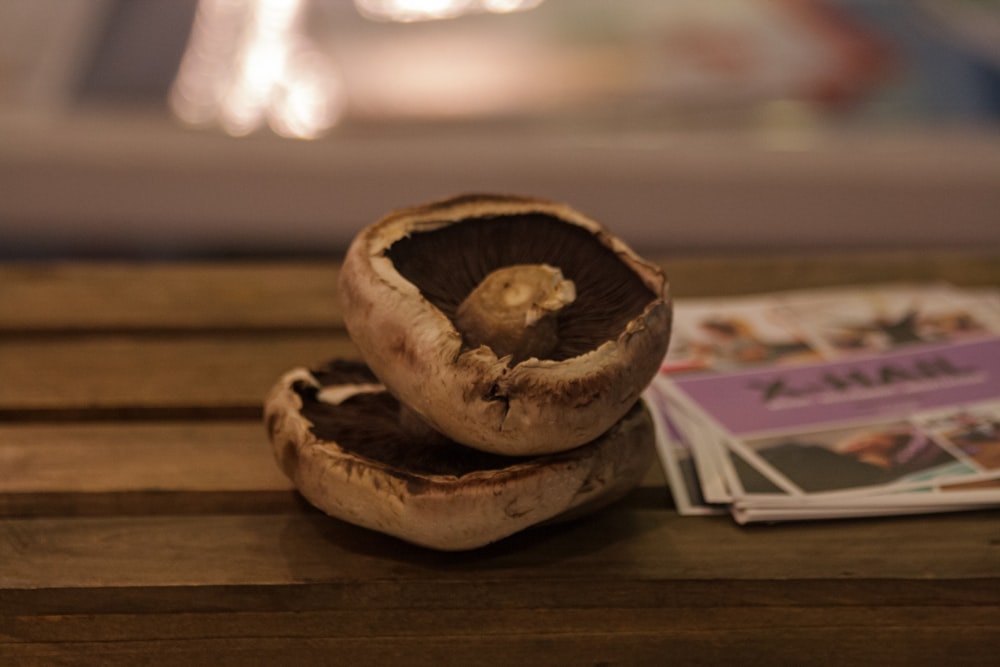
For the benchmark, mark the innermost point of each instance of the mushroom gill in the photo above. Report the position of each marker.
(450, 263)
(369, 425)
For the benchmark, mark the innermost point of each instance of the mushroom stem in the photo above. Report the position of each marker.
(513, 311)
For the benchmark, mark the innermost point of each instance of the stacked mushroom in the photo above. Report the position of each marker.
(507, 343)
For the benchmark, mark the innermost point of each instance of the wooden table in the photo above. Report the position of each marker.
(143, 520)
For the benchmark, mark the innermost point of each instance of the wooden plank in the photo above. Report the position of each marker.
(71, 374)
(705, 590)
(139, 469)
(168, 296)
(765, 636)
(80, 376)
(148, 502)
(157, 543)
(480, 622)
(95, 458)
(734, 275)
(286, 295)
(616, 590)
(148, 468)
(898, 645)
(603, 552)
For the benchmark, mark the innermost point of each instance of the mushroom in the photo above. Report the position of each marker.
(509, 324)
(336, 434)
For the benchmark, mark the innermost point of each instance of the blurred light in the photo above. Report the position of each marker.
(422, 78)
(248, 63)
(505, 6)
(427, 10)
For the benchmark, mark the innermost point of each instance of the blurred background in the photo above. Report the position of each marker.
(279, 128)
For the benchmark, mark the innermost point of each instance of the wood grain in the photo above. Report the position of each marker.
(148, 468)
(121, 372)
(140, 468)
(175, 297)
(94, 458)
(143, 520)
(646, 636)
(623, 544)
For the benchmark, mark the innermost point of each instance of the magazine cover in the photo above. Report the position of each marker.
(844, 402)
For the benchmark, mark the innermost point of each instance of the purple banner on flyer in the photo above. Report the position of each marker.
(890, 385)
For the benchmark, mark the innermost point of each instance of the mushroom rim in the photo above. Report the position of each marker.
(453, 517)
(405, 222)
(285, 402)
(375, 242)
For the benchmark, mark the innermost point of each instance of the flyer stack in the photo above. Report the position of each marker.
(846, 402)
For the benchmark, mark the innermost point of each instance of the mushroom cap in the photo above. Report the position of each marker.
(348, 456)
(404, 276)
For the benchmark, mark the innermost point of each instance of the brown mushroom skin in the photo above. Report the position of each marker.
(452, 512)
(536, 406)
